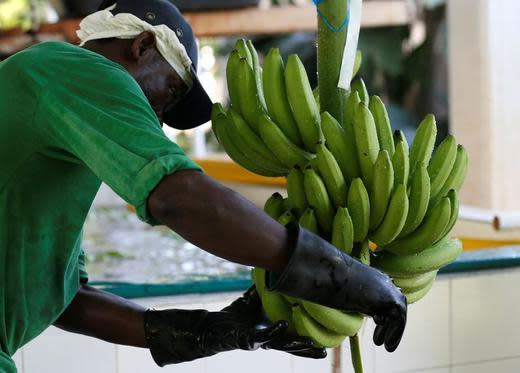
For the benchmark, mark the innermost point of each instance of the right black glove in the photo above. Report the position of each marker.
(320, 273)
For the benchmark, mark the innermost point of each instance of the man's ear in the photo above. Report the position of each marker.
(143, 45)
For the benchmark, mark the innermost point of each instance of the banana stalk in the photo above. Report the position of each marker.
(330, 54)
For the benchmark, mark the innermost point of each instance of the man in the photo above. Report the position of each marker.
(73, 117)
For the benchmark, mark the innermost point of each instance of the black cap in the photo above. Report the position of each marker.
(195, 108)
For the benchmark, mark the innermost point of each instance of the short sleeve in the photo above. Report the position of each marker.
(95, 110)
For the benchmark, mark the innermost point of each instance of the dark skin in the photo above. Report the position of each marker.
(209, 215)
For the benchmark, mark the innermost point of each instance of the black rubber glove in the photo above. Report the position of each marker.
(320, 273)
(175, 336)
(249, 309)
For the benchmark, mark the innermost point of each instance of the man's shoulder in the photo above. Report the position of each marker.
(66, 63)
(57, 52)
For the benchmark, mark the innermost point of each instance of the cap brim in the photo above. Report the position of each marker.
(193, 110)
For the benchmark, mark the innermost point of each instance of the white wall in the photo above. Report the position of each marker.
(466, 324)
(484, 54)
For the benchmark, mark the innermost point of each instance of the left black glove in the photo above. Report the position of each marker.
(175, 336)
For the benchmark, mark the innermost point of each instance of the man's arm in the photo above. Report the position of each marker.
(105, 316)
(233, 228)
(176, 335)
(219, 220)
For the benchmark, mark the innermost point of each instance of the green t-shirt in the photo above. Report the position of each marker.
(69, 119)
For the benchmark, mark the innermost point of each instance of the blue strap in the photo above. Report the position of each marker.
(326, 21)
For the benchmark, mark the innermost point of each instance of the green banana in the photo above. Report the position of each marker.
(287, 153)
(363, 252)
(350, 106)
(419, 198)
(334, 320)
(277, 308)
(400, 160)
(411, 284)
(381, 189)
(307, 327)
(250, 143)
(222, 126)
(232, 81)
(454, 200)
(357, 63)
(428, 233)
(423, 143)
(316, 94)
(359, 86)
(274, 206)
(251, 106)
(244, 52)
(302, 102)
(308, 221)
(358, 204)
(367, 144)
(343, 231)
(258, 275)
(417, 295)
(286, 218)
(314, 164)
(399, 136)
(296, 192)
(341, 146)
(331, 175)
(276, 96)
(441, 164)
(394, 219)
(286, 204)
(318, 199)
(456, 177)
(439, 255)
(257, 69)
(292, 300)
(384, 130)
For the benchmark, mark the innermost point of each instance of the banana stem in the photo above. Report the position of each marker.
(355, 352)
(330, 54)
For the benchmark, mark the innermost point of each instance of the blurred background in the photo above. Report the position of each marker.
(456, 58)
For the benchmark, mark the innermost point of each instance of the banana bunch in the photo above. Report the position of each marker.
(273, 122)
(351, 180)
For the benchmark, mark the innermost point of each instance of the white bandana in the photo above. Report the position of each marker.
(103, 25)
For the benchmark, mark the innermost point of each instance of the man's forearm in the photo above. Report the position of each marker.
(219, 220)
(105, 316)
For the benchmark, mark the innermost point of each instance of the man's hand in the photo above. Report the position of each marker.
(176, 336)
(320, 273)
(249, 308)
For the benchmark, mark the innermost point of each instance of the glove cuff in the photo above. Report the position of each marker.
(319, 272)
(174, 336)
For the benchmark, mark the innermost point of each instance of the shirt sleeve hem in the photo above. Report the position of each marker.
(151, 175)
